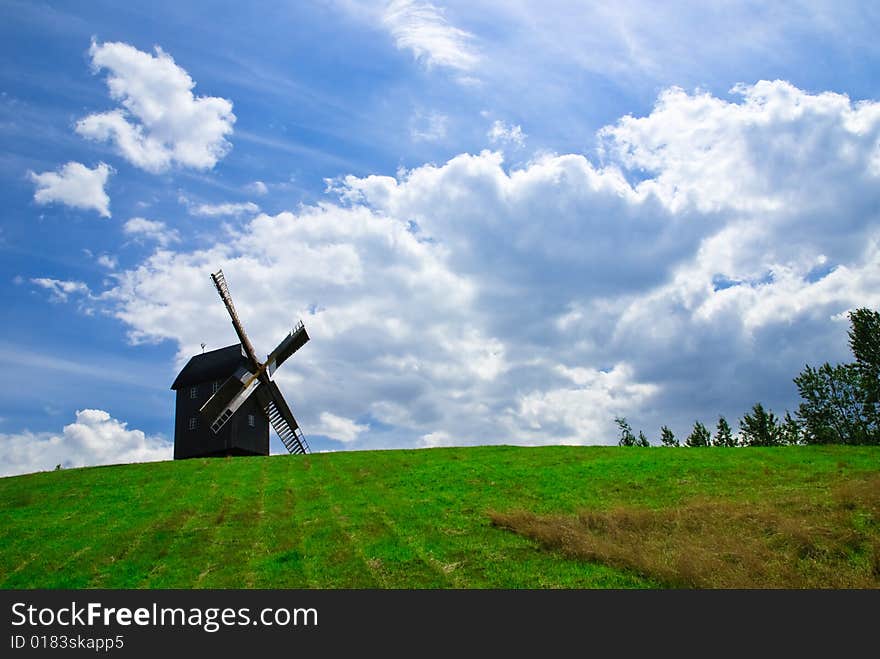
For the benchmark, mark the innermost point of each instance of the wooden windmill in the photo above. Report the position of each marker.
(242, 400)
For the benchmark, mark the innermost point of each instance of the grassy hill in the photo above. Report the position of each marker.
(484, 517)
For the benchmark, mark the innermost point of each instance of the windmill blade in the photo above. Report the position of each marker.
(291, 343)
(222, 288)
(281, 418)
(231, 395)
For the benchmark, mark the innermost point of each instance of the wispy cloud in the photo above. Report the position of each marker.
(428, 127)
(297, 149)
(113, 370)
(224, 210)
(61, 289)
(257, 187)
(501, 133)
(423, 29)
(107, 261)
(139, 227)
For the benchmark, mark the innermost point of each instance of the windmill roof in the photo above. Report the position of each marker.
(214, 365)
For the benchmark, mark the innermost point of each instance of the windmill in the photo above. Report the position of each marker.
(231, 426)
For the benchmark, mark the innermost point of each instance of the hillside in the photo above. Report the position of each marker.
(483, 517)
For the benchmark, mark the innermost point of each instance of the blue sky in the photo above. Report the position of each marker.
(500, 221)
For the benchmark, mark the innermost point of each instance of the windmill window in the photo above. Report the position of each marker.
(193, 423)
(193, 392)
(215, 387)
(252, 421)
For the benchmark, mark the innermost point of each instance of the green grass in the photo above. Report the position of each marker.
(383, 519)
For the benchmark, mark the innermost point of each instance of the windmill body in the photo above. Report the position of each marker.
(226, 398)
(245, 433)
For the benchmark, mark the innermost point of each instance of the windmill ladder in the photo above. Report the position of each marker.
(293, 438)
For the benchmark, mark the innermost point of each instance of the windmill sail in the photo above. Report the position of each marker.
(281, 418)
(223, 289)
(291, 343)
(231, 395)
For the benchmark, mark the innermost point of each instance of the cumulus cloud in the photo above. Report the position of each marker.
(791, 174)
(436, 439)
(502, 133)
(560, 215)
(693, 270)
(339, 428)
(161, 123)
(379, 304)
(74, 185)
(139, 227)
(423, 29)
(693, 143)
(570, 413)
(94, 438)
(225, 209)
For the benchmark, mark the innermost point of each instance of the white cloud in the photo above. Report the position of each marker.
(257, 187)
(161, 123)
(501, 133)
(339, 428)
(367, 289)
(437, 438)
(791, 176)
(226, 209)
(780, 141)
(61, 289)
(579, 415)
(74, 185)
(423, 29)
(468, 302)
(541, 47)
(428, 127)
(95, 438)
(107, 261)
(155, 230)
(557, 214)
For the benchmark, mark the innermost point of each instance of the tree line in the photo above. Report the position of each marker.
(839, 404)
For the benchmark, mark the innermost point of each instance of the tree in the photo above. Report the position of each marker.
(792, 432)
(626, 434)
(841, 404)
(834, 409)
(864, 341)
(700, 436)
(642, 440)
(723, 434)
(667, 437)
(760, 428)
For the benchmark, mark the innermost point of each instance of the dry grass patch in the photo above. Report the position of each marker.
(792, 543)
